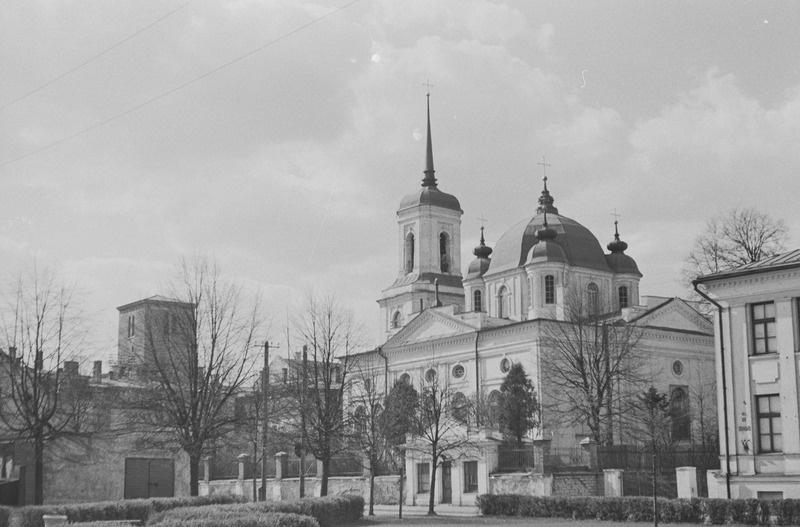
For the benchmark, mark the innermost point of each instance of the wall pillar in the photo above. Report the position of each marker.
(612, 483)
(687, 481)
(541, 451)
(281, 471)
(207, 469)
(411, 479)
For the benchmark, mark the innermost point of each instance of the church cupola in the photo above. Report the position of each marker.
(481, 263)
(429, 228)
(617, 246)
(625, 282)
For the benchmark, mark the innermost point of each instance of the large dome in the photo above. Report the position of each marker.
(581, 248)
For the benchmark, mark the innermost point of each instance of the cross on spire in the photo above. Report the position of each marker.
(428, 85)
(544, 166)
(616, 221)
(482, 220)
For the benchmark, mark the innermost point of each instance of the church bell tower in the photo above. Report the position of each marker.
(429, 256)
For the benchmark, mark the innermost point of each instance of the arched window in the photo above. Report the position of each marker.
(493, 409)
(549, 289)
(623, 297)
(502, 302)
(460, 407)
(592, 299)
(409, 252)
(477, 304)
(397, 320)
(405, 378)
(430, 375)
(444, 253)
(679, 412)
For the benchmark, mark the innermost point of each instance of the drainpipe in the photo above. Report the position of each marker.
(695, 283)
(379, 349)
(477, 382)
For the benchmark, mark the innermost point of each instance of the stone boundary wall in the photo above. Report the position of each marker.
(386, 488)
(578, 484)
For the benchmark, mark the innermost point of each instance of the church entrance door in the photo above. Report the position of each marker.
(447, 482)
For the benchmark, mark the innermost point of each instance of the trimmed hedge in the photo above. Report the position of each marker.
(269, 519)
(31, 516)
(327, 511)
(5, 514)
(696, 510)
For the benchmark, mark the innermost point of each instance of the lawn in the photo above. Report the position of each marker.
(414, 521)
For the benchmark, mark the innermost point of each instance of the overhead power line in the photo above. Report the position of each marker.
(84, 63)
(176, 88)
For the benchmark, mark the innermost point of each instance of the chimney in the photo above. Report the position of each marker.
(97, 371)
(437, 303)
(71, 368)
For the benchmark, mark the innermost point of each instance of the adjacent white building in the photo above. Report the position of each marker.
(758, 333)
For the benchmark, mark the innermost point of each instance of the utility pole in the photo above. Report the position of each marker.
(264, 419)
(304, 382)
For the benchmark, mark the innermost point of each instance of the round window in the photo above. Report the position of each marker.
(458, 371)
(677, 367)
(430, 375)
(505, 365)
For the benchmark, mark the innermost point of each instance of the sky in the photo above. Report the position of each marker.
(280, 136)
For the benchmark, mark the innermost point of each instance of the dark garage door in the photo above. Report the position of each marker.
(149, 478)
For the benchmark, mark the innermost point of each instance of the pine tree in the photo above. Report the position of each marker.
(519, 408)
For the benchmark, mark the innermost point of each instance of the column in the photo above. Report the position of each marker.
(687, 481)
(612, 482)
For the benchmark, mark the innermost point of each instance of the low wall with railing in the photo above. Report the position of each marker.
(385, 491)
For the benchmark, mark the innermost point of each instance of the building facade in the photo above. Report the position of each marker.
(544, 273)
(758, 332)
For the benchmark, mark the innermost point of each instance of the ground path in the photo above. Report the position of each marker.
(414, 516)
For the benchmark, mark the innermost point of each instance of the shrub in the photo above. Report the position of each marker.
(242, 517)
(787, 512)
(31, 516)
(328, 511)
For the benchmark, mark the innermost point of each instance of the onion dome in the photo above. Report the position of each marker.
(430, 194)
(479, 266)
(580, 247)
(618, 261)
(546, 250)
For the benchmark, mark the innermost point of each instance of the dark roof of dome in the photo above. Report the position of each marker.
(430, 196)
(546, 251)
(477, 268)
(622, 263)
(580, 247)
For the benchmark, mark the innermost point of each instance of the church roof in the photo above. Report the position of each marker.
(580, 247)
(432, 197)
(780, 261)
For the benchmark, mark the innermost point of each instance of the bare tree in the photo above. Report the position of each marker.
(197, 357)
(592, 364)
(332, 337)
(734, 238)
(43, 328)
(440, 425)
(368, 423)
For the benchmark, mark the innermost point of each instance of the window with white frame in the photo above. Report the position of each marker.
(763, 327)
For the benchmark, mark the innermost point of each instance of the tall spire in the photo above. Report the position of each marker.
(429, 180)
(545, 200)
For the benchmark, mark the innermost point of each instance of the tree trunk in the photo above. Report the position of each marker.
(323, 483)
(38, 468)
(372, 463)
(655, 491)
(194, 474)
(431, 512)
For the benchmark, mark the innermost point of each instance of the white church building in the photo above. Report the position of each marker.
(466, 329)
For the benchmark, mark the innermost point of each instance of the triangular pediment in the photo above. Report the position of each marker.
(678, 315)
(429, 325)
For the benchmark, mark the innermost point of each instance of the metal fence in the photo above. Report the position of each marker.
(571, 459)
(515, 459)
